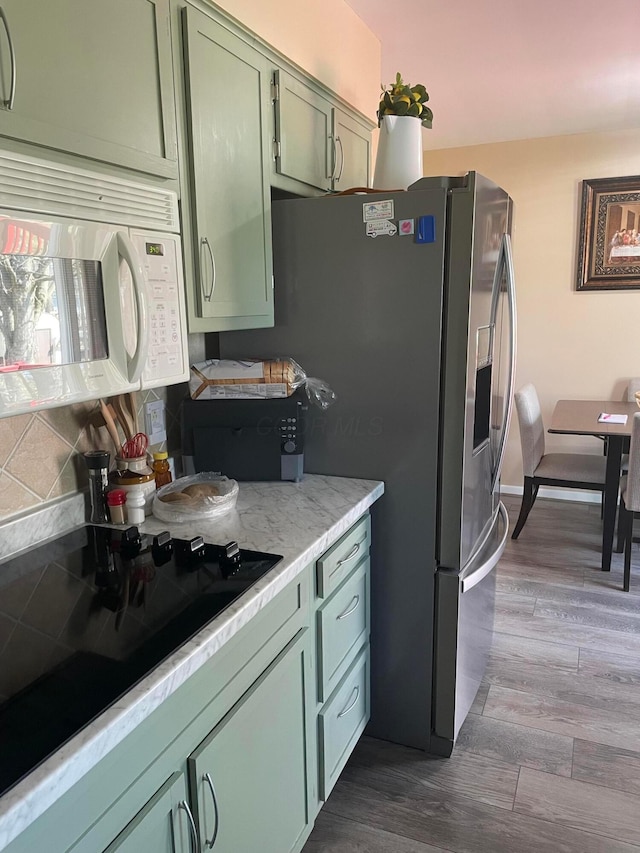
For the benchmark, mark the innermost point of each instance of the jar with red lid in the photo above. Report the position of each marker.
(116, 500)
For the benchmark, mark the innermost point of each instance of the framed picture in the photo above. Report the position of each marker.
(609, 236)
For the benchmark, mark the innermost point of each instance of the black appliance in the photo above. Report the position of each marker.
(86, 616)
(245, 439)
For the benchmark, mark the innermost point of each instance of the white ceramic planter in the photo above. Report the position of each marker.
(399, 157)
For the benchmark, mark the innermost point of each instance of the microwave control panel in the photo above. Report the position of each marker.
(167, 359)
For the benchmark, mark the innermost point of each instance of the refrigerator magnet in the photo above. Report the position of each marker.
(426, 229)
(388, 229)
(406, 226)
(373, 210)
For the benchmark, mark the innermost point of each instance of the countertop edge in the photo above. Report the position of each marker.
(31, 797)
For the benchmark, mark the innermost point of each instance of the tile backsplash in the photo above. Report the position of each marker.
(41, 454)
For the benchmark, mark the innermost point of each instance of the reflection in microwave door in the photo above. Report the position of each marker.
(51, 311)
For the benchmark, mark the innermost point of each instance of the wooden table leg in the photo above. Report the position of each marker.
(612, 485)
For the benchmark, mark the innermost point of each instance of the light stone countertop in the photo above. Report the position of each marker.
(298, 520)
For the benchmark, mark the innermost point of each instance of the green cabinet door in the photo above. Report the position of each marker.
(352, 143)
(90, 77)
(304, 150)
(250, 774)
(228, 93)
(164, 825)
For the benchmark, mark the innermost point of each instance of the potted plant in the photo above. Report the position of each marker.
(398, 99)
(402, 113)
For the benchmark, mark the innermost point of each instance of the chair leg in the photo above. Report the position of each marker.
(628, 542)
(622, 521)
(529, 495)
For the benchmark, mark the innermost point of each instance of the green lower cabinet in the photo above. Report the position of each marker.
(341, 722)
(248, 778)
(164, 825)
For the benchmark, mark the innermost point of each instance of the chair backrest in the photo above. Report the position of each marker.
(632, 495)
(632, 387)
(531, 428)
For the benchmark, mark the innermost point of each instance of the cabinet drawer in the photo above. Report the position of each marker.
(342, 721)
(336, 563)
(343, 627)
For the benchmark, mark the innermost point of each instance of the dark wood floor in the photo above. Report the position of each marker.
(549, 759)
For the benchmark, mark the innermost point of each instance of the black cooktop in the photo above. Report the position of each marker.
(87, 616)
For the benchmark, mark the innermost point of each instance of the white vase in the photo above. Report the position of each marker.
(399, 157)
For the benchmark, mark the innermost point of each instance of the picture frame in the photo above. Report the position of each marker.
(609, 234)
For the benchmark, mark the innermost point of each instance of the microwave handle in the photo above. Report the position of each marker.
(127, 252)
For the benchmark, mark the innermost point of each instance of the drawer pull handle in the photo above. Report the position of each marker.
(350, 555)
(216, 816)
(349, 611)
(183, 804)
(351, 705)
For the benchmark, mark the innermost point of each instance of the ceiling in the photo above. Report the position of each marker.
(498, 70)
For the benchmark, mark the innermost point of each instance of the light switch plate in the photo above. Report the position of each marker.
(155, 422)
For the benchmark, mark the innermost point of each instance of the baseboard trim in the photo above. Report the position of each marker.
(557, 494)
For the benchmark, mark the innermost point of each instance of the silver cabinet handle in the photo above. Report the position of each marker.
(356, 600)
(183, 804)
(351, 704)
(12, 92)
(332, 176)
(339, 141)
(216, 815)
(207, 296)
(350, 555)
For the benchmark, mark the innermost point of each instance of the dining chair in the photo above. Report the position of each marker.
(630, 499)
(565, 470)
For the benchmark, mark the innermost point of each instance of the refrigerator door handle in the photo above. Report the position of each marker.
(505, 263)
(479, 574)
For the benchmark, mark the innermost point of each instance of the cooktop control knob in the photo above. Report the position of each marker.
(162, 548)
(190, 552)
(230, 557)
(130, 543)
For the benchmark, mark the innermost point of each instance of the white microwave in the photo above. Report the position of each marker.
(91, 288)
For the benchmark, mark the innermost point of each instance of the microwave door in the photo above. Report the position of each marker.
(133, 306)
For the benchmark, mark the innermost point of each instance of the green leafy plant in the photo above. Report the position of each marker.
(398, 99)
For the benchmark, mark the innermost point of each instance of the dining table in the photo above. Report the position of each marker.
(581, 417)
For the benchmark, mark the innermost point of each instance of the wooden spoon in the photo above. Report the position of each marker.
(122, 416)
(111, 426)
(130, 405)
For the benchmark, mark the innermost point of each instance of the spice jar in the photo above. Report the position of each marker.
(161, 468)
(135, 505)
(135, 474)
(115, 501)
(98, 465)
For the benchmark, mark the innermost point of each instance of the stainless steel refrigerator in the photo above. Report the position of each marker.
(403, 302)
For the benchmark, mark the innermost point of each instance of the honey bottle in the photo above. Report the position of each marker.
(161, 468)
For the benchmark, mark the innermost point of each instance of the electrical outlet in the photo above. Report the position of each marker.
(155, 422)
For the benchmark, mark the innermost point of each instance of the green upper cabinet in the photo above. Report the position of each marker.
(316, 143)
(352, 146)
(90, 77)
(228, 104)
(303, 148)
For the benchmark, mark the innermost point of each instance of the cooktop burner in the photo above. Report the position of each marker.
(87, 616)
